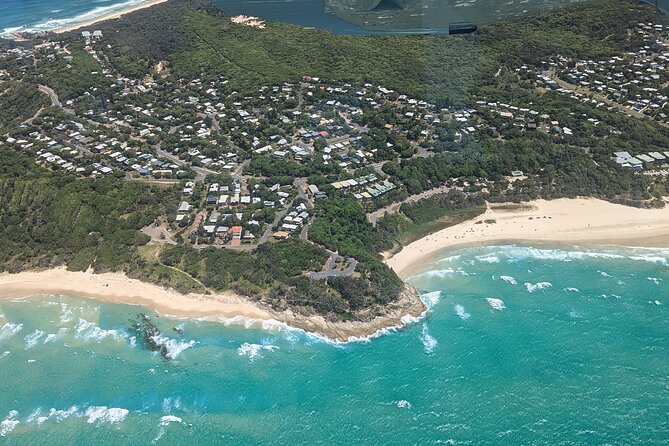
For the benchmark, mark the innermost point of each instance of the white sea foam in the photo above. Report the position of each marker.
(33, 338)
(7, 353)
(449, 259)
(604, 274)
(403, 404)
(575, 314)
(54, 414)
(429, 342)
(532, 287)
(655, 280)
(88, 331)
(496, 304)
(171, 404)
(167, 419)
(408, 319)
(104, 414)
(657, 302)
(431, 299)
(273, 325)
(8, 424)
(651, 255)
(66, 315)
(650, 258)
(525, 252)
(488, 258)
(461, 313)
(8, 330)
(164, 422)
(606, 296)
(509, 279)
(51, 337)
(254, 351)
(571, 289)
(173, 347)
(443, 272)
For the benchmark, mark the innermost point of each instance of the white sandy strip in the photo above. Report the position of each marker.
(583, 220)
(118, 288)
(110, 16)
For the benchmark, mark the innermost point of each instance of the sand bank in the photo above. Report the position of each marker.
(577, 221)
(110, 16)
(118, 288)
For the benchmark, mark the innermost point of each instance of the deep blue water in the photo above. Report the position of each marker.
(531, 346)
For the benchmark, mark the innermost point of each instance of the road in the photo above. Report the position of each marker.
(55, 101)
(304, 234)
(329, 270)
(601, 98)
(201, 172)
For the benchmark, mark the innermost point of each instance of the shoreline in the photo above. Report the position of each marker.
(226, 307)
(585, 221)
(582, 221)
(110, 16)
(19, 32)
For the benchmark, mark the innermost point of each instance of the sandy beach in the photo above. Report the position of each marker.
(110, 16)
(576, 221)
(120, 289)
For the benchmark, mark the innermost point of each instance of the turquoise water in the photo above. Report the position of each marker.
(46, 15)
(575, 353)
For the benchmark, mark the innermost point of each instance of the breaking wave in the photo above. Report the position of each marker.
(429, 342)
(509, 279)
(8, 424)
(87, 331)
(103, 414)
(8, 330)
(461, 313)
(173, 347)
(33, 338)
(53, 414)
(652, 255)
(489, 258)
(496, 304)
(403, 404)
(532, 287)
(254, 351)
(443, 272)
(431, 299)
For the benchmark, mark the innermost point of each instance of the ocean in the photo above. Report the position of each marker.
(521, 345)
(47, 15)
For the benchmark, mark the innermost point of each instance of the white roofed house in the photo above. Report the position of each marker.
(184, 206)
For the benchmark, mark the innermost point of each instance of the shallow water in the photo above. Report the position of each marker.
(521, 346)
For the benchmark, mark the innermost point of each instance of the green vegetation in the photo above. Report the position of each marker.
(49, 219)
(19, 101)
